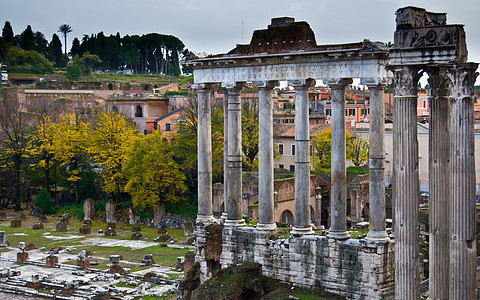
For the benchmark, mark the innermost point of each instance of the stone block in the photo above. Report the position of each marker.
(87, 223)
(16, 223)
(43, 219)
(162, 230)
(136, 236)
(111, 225)
(110, 232)
(116, 269)
(85, 230)
(83, 264)
(61, 228)
(22, 257)
(22, 217)
(115, 259)
(51, 260)
(164, 238)
(38, 226)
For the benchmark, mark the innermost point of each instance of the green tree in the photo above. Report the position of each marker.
(65, 29)
(41, 44)
(45, 203)
(87, 62)
(27, 41)
(20, 60)
(7, 34)
(55, 51)
(73, 71)
(250, 134)
(357, 150)
(112, 135)
(14, 140)
(154, 178)
(321, 149)
(69, 146)
(75, 50)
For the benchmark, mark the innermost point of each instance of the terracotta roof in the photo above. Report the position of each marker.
(288, 130)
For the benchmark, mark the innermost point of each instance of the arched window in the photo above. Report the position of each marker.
(287, 217)
(110, 86)
(139, 112)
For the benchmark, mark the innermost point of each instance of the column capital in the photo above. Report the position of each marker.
(439, 82)
(462, 79)
(405, 80)
(202, 86)
(302, 83)
(338, 83)
(266, 84)
(233, 87)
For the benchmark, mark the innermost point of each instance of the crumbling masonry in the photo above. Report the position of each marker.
(357, 269)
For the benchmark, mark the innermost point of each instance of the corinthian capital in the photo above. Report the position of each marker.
(406, 80)
(462, 79)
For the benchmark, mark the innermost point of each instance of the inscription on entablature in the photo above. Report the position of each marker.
(352, 69)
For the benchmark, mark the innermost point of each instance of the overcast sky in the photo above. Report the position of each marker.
(215, 26)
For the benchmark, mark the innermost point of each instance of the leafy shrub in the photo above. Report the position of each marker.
(45, 203)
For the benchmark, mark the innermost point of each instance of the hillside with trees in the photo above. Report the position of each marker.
(31, 52)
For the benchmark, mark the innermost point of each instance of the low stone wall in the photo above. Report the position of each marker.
(356, 269)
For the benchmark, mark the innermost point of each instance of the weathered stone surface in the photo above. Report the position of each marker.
(61, 228)
(110, 232)
(110, 211)
(22, 217)
(37, 226)
(16, 223)
(51, 260)
(3, 239)
(158, 214)
(162, 230)
(164, 238)
(88, 209)
(85, 230)
(22, 257)
(43, 219)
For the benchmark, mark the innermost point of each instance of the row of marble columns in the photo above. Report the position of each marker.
(233, 153)
(452, 247)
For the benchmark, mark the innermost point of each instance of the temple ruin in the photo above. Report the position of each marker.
(377, 267)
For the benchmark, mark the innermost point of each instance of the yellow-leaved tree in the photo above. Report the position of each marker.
(69, 144)
(154, 178)
(321, 149)
(111, 137)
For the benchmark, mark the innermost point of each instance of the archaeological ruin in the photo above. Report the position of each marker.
(377, 267)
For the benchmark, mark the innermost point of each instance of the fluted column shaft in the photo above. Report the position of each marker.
(376, 157)
(225, 153)
(439, 184)
(462, 177)
(234, 179)
(204, 154)
(302, 222)
(406, 185)
(338, 201)
(266, 219)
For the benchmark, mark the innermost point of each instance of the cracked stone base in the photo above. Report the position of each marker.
(205, 220)
(377, 236)
(302, 230)
(338, 235)
(271, 226)
(235, 223)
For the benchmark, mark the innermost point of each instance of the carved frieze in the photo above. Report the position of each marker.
(409, 17)
(439, 82)
(451, 35)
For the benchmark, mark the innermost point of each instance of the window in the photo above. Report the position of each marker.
(292, 168)
(293, 149)
(280, 148)
(139, 112)
(281, 166)
(168, 126)
(351, 112)
(424, 103)
(328, 111)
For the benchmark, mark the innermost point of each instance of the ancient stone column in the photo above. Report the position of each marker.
(204, 152)
(376, 161)
(462, 182)
(338, 200)
(225, 154)
(158, 214)
(88, 209)
(110, 211)
(234, 175)
(302, 222)
(439, 184)
(266, 219)
(406, 184)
